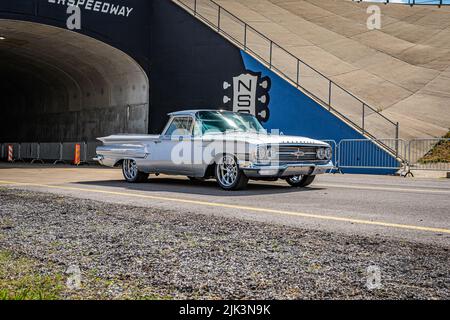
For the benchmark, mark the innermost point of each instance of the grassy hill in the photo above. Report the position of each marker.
(440, 153)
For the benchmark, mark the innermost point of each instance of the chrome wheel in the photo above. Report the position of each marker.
(300, 181)
(227, 171)
(131, 172)
(130, 169)
(296, 179)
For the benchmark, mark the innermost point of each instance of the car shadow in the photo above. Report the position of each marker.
(208, 188)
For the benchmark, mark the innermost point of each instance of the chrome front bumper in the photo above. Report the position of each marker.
(285, 170)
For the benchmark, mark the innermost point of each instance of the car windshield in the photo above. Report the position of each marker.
(221, 122)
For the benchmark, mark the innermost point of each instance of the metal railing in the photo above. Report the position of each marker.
(329, 94)
(368, 154)
(432, 154)
(409, 2)
(52, 152)
(419, 154)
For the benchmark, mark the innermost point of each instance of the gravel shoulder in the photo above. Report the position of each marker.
(127, 252)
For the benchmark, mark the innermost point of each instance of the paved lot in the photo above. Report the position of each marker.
(407, 209)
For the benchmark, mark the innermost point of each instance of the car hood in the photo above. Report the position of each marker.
(257, 138)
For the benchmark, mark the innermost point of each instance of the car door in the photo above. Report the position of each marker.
(172, 151)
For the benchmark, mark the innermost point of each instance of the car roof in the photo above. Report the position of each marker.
(194, 112)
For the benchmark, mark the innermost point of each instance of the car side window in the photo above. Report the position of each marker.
(197, 131)
(180, 126)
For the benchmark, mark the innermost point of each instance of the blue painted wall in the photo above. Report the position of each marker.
(294, 113)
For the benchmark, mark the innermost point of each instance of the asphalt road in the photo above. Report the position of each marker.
(416, 210)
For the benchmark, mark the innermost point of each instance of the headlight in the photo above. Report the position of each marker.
(264, 153)
(321, 153)
(328, 153)
(261, 153)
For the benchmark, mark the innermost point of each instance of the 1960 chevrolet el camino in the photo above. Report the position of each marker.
(230, 147)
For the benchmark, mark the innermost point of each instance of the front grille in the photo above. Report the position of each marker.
(293, 153)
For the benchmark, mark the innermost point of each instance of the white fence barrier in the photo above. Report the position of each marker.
(56, 152)
(431, 154)
(418, 154)
(371, 154)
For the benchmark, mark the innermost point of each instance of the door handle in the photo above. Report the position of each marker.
(158, 141)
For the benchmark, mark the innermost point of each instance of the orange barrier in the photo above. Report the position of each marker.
(10, 153)
(77, 158)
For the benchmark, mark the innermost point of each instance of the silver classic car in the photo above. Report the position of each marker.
(230, 147)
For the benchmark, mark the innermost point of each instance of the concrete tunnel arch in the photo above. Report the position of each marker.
(58, 85)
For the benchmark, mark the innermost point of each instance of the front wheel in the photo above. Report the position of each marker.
(131, 173)
(228, 174)
(300, 181)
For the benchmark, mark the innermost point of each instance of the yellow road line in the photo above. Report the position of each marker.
(230, 206)
(381, 188)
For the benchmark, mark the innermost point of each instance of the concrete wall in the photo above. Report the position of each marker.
(402, 69)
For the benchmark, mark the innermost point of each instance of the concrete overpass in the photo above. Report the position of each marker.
(61, 85)
(67, 86)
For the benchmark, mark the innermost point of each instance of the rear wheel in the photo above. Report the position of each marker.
(228, 174)
(131, 173)
(300, 181)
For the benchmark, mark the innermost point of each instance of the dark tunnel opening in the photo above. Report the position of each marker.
(57, 85)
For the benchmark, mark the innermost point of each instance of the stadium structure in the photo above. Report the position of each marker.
(306, 67)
